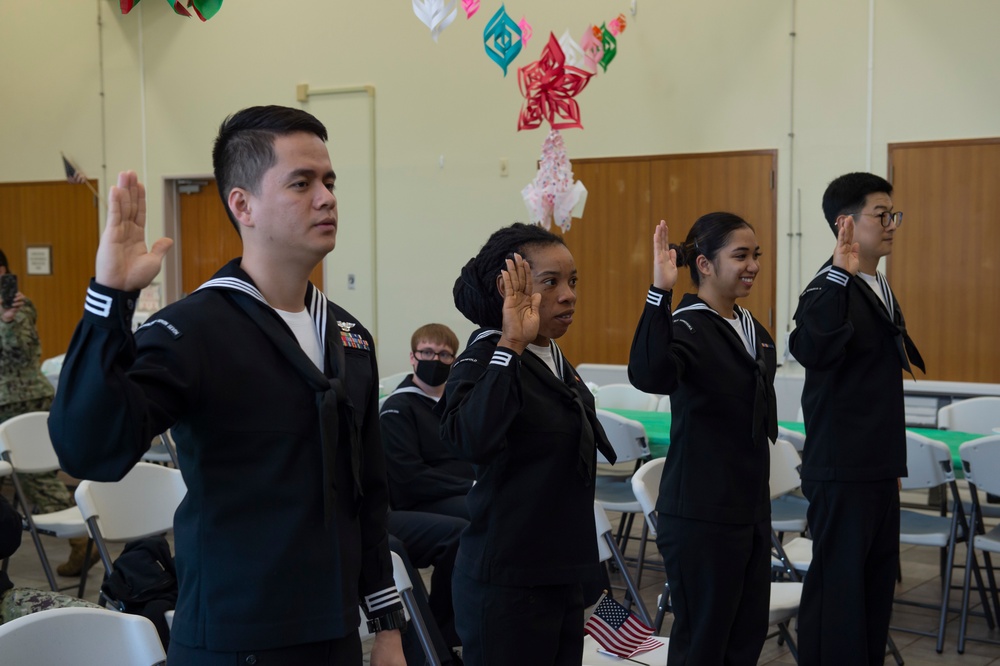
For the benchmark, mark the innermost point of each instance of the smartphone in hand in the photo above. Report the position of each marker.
(8, 289)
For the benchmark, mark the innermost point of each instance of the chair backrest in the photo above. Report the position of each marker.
(797, 439)
(663, 404)
(141, 504)
(603, 527)
(81, 635)
(981, 460)
(646, 487)
(785, 465)
(928, 463)
(25, 443)
(627, 437)
(5, 468)
(390, 382)
(976, 415)
(624, 396)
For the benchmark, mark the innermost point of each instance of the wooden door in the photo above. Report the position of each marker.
(206, 238)
(64, 218)
(612, 243)
(944, 268)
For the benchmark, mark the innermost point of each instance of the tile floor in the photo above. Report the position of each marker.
(920, 582)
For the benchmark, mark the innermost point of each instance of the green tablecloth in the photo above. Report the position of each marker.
(657, 425)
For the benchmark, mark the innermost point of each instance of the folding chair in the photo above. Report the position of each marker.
(976, 415)
(929, 465)
(788, 512)
(981, 460)
(140, 505)
(81, 635)
(797, 439)
(663, 404)
(784, 602)
(25, 445)
(624, 396)
(607, 548)
(405, 588)
(162, 452)
(614, 491)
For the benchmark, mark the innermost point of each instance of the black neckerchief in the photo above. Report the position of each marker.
(336, 413)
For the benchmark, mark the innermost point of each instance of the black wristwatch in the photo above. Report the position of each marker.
(394, 620)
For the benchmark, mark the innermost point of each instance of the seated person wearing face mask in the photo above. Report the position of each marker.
(423, 474)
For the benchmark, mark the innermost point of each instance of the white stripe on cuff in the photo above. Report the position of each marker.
(653, 298)
(97, 304)
(501, 358)
(838, 277)
(383, 599)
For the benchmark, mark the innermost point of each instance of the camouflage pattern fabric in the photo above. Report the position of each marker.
(22, 601)
(44, 491)
(21, 376)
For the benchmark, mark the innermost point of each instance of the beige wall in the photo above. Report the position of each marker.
(689, 77)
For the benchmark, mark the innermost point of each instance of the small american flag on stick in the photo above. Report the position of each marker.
(75, 175)
(618, 631)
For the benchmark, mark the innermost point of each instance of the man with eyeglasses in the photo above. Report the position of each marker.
(423, 473)
(851, 337)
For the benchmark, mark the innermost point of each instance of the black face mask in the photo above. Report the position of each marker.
(432, 373)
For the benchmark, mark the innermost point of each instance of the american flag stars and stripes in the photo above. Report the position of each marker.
(618, 631)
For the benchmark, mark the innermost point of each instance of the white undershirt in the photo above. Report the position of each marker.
(738, 327)
(305, 332)
(545, 353)
(872, 282)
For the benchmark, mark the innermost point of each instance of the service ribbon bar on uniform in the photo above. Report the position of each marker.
(354, 341)
(97, 304)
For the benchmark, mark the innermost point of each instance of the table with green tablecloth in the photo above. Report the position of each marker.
(657, 426)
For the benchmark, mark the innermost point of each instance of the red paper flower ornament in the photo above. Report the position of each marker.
(549, 86)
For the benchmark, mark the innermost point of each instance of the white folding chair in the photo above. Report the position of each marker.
(140, 505)
(663, 404)
(607, 549)
(975, 415)
(624, 396)
(614, 491)
(389, 383)
(81, 635)
(981, 460)
(788, 512)
(163, 451)
(797, 439)
(25, 445)
(785, 596)
(929, 465)
(405, 588)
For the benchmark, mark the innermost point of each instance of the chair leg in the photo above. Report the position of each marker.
(784, 633)
(662, 607)
(631, 586)
(418, 625)
(642, 553)
(967, 578)
(86, 569)
(895, 651)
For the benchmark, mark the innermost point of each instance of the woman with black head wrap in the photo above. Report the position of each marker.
(518, 411)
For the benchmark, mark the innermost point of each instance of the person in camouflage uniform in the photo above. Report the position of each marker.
(17, 602)
(23, 389)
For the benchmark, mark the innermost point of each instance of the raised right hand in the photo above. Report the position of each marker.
(520, 305)
(123, 262)
(664, 259)
(845, 254)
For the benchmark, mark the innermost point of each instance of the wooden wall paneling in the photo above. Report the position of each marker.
(207, 239)
(944, 267)
(611, 248)
(685, 187)
(63, 216)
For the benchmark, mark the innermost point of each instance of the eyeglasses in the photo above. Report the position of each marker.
(429, 355)
(885, 217)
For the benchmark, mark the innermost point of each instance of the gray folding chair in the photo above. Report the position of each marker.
(608, 550)
(981, 460)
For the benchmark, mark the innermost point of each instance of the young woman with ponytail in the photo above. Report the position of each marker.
(517, 410)
(717, 363)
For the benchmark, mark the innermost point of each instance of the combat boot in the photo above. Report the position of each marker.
(78, 550)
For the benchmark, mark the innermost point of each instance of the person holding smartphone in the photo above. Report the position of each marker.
(23, 389)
